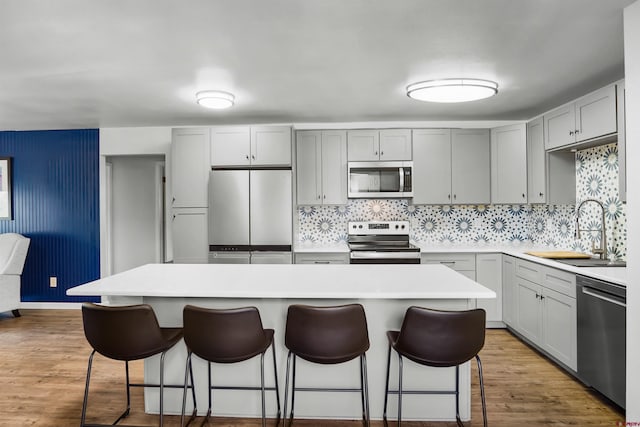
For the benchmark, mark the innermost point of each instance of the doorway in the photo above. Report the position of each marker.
(135, 202)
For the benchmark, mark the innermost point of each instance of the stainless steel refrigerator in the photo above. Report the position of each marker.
(250, 216)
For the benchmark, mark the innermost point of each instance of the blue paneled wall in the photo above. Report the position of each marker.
(56, 204)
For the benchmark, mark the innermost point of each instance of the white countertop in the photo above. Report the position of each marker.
(418, 281)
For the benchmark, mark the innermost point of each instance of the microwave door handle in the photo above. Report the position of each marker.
(401, 170)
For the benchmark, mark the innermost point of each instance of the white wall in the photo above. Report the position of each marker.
(135, 238)
(632, 82)
(130, 142)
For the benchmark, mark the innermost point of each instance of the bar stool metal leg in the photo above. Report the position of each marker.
(399, 390)
(275, 377)
(364, 386)
(188, 374)
(484, 405)
(264, 410)
(386, 389)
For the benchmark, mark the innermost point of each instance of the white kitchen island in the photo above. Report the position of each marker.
(385, 291)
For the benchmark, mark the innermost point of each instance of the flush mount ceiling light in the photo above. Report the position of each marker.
(215, 99)
(452, 90)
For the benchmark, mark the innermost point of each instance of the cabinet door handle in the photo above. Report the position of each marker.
(173, 200)
(537, 295)
(375, 153)
(321, 262)
(523, 196)
(246, 157)
(570, 132)
(449, 196)
(324, 196)
(577, 131)
(541, 297)
(382, 153)
(319, 197)
(174, 218)
(454, 197)
(541, 194)
(253, 157)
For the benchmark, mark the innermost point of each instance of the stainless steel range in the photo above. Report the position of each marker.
(381, 242)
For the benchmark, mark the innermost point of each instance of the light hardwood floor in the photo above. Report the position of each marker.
(43, 357)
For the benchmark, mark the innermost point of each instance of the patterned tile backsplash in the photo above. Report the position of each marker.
(539, 225)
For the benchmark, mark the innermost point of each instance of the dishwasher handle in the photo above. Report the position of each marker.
(604, 296)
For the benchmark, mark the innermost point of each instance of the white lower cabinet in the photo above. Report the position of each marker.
(509, 290)
(489, 274)
(463, 263)
(546, 310)
(190, 236)
(322, 258)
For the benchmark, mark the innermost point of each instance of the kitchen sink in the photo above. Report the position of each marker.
(591, 262)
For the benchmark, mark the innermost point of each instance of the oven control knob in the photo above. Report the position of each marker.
(402, 226)
(360, 226)
(354, 226)
(397, 226)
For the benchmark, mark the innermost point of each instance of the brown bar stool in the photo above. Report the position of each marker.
(327, 335)
(441, 339)
(127, 333)
(227, 336)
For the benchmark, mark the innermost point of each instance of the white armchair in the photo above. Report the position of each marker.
(13, 252)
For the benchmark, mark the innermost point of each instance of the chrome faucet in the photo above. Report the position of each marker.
(602, 250)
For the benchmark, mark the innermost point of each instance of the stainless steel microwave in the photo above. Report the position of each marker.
(380, 179)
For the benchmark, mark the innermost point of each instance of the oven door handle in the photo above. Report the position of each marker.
(384, 255)
(401, 187)
(602, 296)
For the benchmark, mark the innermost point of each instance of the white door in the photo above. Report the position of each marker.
(363, 145)
(559, 127)
(309, 167)
(596, 114)
(189, 167)
(431, 166)
(395, 144)
(334, 167)
(528, 314)
(470, 166)
(509, 164)
(560, 327)
(189, 228)
(508, 291)
(536, 163)
(230, 146)
(270, 145)
(489, 274)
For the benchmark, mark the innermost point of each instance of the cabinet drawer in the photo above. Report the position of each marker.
(322, 258)
(559, 281)
(458, 262)
(529, 270)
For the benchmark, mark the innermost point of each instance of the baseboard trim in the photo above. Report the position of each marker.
(51, 305)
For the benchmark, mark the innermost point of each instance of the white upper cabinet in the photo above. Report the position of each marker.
(251, 146)
(470, 166)
(321, 167)
(551, 175)
(536, 163)
(451, 166)
(592, 116)
(231, 146)
(379, 145)
(509, 164)
(431, 166)
(189, 167)
(271, 145)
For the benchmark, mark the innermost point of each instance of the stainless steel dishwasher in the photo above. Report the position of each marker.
(602, 324)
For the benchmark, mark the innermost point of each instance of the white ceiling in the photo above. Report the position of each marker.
(110, 63)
